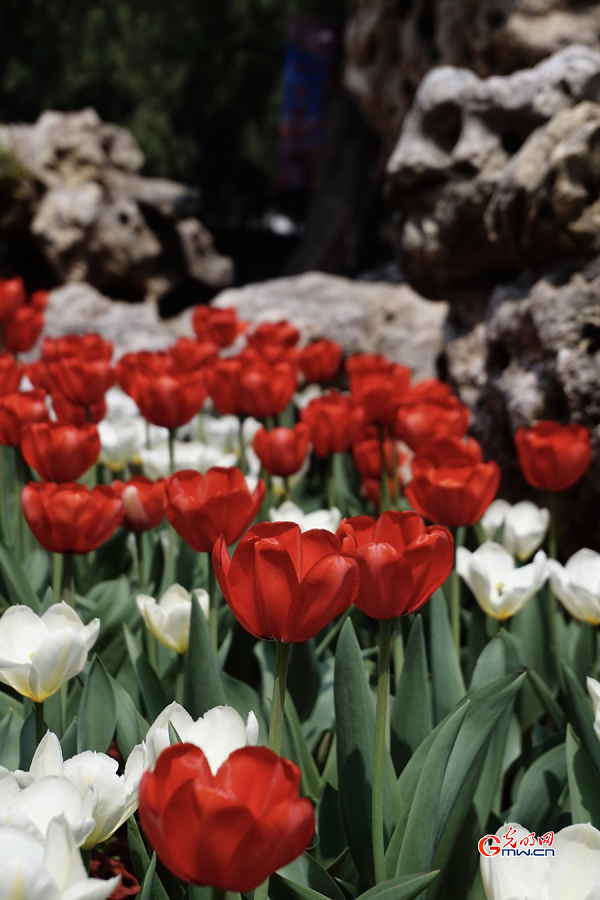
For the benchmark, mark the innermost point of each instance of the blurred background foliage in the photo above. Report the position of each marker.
(197, 82)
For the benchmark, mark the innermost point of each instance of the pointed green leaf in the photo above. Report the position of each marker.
(311, 780)
(355, 722)
(150, 685)
(140, 860)
(97, 711)
(405, 887)
(584, 783)
(128, 731)
(540, 790)
(18, 587)
(145, 891)
(582, 716)
(203, 688)
(411, 715)
(546, 698)
(448, 687)
(10, 745)
(306, 872)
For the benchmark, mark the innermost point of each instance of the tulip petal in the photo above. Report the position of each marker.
(575, 869)
(48, 758)
(21, 633)
(327, 590)
(61, 656)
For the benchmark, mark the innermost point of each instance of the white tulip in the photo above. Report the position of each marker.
(327, 519)
(249, 428)
(85, 789)
(593, 687)
(218, 733)
(303, 397)
(188, 455)
(498, 586)
(573, 872)
(38, 654)
(493, 518)
(222, 432)
(120, 407)
(34, 869)
(121, 442)
(524, 526)
(577, 585)
(169, 619)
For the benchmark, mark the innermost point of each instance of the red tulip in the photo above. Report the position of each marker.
(39, 300)
(75, 413)
(380, 392)
(22, 331)
(451, 484)
(69, 518)
(266, 390)
(12, 296)
(334, 423)
(230, 830)
(10, 374)
(223, 382)
(320, 362)
(169, 400)
(188, 355)
(366, 453)
(221, 326)
(82, 381)
(89, 346)
(284, 584)
(143, 502)
(60, 452)
(367, 364)
(272, 339)
(16, 410)
(401, 562)
(282, 450)
(427, 411)
(202, 507)
(554, 457)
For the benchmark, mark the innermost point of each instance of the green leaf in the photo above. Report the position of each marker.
(304, 678)
(145, 891)
(448, 687)
(281, 888)
(244, 700)
(540, 790)
(149, 682)
(546, 698)
(355, 718)
(203, 688)
(311, 780)
(10, 733)
(306, 872)
(18, 587)
(97, 711)
(68, 741)
(140, 859)
(420, 820)
(411, 715)
(8, 703)
(405, 887)
(36, 569)
(584, 783)
(582, 716)
(27, 742)
(128, 732)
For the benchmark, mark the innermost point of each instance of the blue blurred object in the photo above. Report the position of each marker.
(310, 56)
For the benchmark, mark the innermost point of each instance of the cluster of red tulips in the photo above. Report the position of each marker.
(409, 445)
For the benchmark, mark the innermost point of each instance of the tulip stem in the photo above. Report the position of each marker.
(459, 537)
(171, 451)
(551, 604)
(383, 688)
(57, 576)
(66, 588)
(180, 680)
(6, 533)
(40, 727)
(213, 600)
(278, 704)
(139, 552)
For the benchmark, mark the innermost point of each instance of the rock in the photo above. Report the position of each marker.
(365, 317)
(80, 308)
(455, 151)
(392, 45)
(90, 235)
(94, 218)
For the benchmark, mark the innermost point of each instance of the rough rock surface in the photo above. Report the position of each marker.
(459, 173)
(78, 308)
(392, 44)
(365, 317)
(94, 218)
